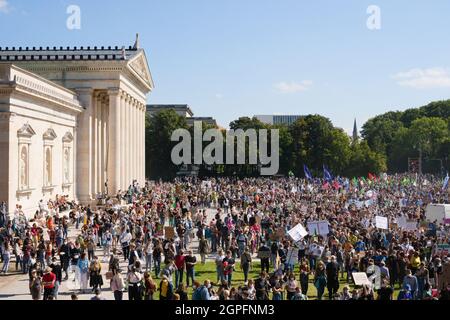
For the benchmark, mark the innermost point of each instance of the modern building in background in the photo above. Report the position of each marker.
(182, 110)
(278, 119)
(208, 120)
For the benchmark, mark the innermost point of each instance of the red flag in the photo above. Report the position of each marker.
(336, 185)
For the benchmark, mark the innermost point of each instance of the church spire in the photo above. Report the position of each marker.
(355, 132)
(136, 43)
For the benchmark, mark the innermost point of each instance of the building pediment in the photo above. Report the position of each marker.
(139, 66)
(68, 137)
(50, 134)
(26, 131)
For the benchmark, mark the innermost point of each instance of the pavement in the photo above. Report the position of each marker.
(14, 285)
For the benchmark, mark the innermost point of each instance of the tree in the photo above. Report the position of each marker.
(364, 160)
(159, 146)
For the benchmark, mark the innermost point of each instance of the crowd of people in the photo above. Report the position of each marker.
(152, 239)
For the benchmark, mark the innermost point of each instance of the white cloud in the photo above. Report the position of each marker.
(4, 6)
(219, 96)
(293, 87)
(429, 78)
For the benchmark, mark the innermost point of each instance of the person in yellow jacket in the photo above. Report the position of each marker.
(415, 262)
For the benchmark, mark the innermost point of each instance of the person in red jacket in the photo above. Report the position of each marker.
(48, 281)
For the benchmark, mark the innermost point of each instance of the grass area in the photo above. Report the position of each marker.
(208, 271)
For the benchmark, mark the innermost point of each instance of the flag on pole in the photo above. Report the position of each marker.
(308, 174)
(445, 185)
(327, 174)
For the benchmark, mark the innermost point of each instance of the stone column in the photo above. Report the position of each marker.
(141, 144)
(100, 144)
(123, 127)
(104, 142)
(127, 144)
(135, 146)
(139, 147)
(83, 175)
(94, 137)
(131, 139)
(114, 163)
(144, 117)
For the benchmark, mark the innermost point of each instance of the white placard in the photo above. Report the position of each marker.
(298, 232)
(381, 222)
(360, 279)
(410, 225)
(292, 256)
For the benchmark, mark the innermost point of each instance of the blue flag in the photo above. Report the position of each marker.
(444, 187)
(327, 174)
(308, 174)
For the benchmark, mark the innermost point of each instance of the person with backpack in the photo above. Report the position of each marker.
(134, 279)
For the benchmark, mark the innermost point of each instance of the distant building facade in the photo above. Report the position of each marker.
(278, 119)
(182, 110)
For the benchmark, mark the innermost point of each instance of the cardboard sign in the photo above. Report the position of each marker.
(169, 232)
(264, 254)
(360, 279)
(280, 233)
(381, 222)
(298, 232)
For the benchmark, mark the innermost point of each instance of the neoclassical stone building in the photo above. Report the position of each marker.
(71, 119)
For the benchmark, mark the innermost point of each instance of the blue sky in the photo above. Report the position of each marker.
(234, 58)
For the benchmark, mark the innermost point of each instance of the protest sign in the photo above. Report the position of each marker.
(411, 225)
(298, 232)
(263, 254)
(318, 228)
(280, 233)
(360, 279)
(381, 222)
(443, 249)
(169, 232)
(292, 256)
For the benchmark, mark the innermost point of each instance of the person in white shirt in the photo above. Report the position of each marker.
(125, 239)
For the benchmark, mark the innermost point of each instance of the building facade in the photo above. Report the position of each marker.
(72, 122)
(278, 119)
